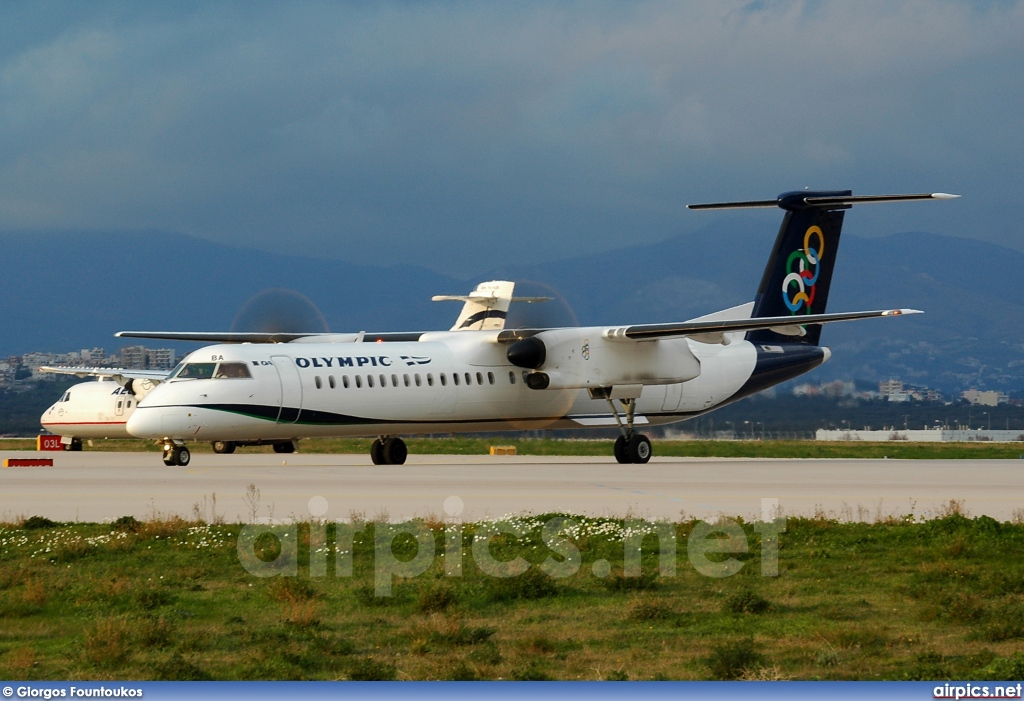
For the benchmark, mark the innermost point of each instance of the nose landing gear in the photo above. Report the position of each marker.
(388, 450)
(176, 454)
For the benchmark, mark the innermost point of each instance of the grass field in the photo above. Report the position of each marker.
(897, 599)
(663, 448)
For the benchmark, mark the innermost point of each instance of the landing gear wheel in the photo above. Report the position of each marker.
(178, 455)
(621, 454)
(639, 449)
(377, 452)
(76, 444)
(395, 451)
(286, 447)
(224, 447)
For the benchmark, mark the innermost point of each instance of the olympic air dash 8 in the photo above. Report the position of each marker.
(102, 409)
(283, 387)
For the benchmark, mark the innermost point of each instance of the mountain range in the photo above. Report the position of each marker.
(63, 291)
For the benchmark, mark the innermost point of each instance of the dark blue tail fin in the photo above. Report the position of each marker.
(799, 271)
(798, 275)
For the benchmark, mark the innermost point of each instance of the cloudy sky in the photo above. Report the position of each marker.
(460, 134)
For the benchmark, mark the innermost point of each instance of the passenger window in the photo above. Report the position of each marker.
(417, 378)
(430, 379)
(455, 378)
(369, 380)
(129, 403)
(344, 381)
(394, 380)
(359, 382)
(319, 384)
(490, 378)
(405, 378)
(330, 381)
(444, 380)
(119, 403)
(469, 378)
(511, 377)
(383, 381)
(233, 370)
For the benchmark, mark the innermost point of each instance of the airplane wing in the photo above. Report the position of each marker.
(713, 331)
(120, 375)
(217, 336)
(276, 337)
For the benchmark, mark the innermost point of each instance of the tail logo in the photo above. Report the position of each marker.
(802, 270)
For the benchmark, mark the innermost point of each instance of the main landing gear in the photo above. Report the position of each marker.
(176, 454)
(228, 447)
(630, 447)
(388, 450)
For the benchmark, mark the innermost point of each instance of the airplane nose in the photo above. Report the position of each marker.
(145, 423)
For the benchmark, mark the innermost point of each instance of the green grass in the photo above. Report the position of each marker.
(898, 599)
(463, 445)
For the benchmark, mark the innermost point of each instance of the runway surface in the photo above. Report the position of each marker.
(92, 486)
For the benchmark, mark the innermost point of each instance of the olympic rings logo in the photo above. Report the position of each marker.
(802, 270)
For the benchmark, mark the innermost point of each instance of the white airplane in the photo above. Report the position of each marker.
(101, 409)
(92, 410)
(289, 386)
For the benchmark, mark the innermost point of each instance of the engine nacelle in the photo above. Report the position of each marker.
(582, 359)
(140, 388)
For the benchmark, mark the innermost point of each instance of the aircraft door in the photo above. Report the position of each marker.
(673, 394)
(291, 389)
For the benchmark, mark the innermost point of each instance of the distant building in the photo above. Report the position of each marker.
(151, 358)
(161, 358)
(986, 398)
(95, 356)
(895, 391)
(892, 390)
(133, 357)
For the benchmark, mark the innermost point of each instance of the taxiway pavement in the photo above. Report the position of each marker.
(95, 486)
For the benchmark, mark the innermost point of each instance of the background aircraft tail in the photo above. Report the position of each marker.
(486, 307)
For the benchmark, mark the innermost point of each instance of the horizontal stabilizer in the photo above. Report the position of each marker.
(798, 200)
(708, 330)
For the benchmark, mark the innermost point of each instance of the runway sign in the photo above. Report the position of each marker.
(28, 462)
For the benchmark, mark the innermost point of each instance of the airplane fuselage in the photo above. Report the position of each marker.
(445, 382)
(91, 410)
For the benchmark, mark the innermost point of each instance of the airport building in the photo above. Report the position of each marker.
(927, 435)
(981, 398)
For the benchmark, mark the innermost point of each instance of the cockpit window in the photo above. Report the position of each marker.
(196, 371)
(232, 370)
(67, 397)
